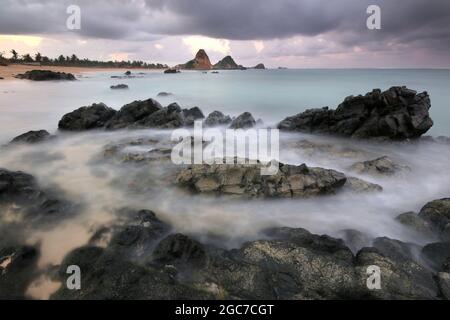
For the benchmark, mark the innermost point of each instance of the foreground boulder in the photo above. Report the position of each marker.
(398, 113)
(31, 137)
(140, 262)
(87, 118)
(107, 276)
(21, 193)
(437, 254)
(45, 75)
(246, 180)
(433, 220)
(18, 268)
(379, 166)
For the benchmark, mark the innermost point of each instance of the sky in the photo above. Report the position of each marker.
(287, 33)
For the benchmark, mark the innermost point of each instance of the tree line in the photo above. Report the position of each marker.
(74, 61)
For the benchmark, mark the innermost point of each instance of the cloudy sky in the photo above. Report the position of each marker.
(291, 33)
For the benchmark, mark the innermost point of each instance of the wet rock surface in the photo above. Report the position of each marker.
(87, 118)
(398, 113)
(17, 270)
(432, 220)
(246, 180)
(22, 197)
(379, 166)
(243, 121)
(287, 264)
(31, 137)
(217, 118)
(132, 113)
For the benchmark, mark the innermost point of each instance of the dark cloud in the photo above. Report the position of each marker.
(417, 23)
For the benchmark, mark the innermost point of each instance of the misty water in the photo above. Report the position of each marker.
(75, 164)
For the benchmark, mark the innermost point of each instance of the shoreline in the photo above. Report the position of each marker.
(9, 72)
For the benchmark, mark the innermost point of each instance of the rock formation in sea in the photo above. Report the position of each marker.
(217, 118)
(243, 121)
(228, 63)
(200, 62)
(397, 114)
(87, 118)
(32, 137)
(245, 180)
(45, 75)
(260, 66)
(119, 86)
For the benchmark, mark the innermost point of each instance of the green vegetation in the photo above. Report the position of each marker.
(74, 61)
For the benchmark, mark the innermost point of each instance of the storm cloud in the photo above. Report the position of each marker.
(341, 25)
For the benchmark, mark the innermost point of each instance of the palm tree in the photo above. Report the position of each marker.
(15, 55)
(27, 58)
(38, 57)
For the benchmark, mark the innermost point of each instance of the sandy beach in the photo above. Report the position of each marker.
(12, 70)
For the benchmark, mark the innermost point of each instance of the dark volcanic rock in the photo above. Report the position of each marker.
(119, 86)
(166, 118)
(137, 238)
(382, 166)
(191, 115)
(398, 113)
(412, 220)
(293, 265)
(396, 250)
(361, 186)
(400, 279)
(31, 137)
(179, 249)
(437, 254)
(164, 94)
(87, 118)
(355, 239)
(45, 75)
(169, 71)
(246, 180)
(288, 264)
(22, 191)
(443, 280)
(243, 121)
(18, 268)
(437, 213)
(107, 276)
(217, 118)
(132, 113)
(433, 219)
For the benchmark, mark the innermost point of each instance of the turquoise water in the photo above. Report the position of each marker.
(269, 94)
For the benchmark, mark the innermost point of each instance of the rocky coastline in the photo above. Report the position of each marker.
(140, 255)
